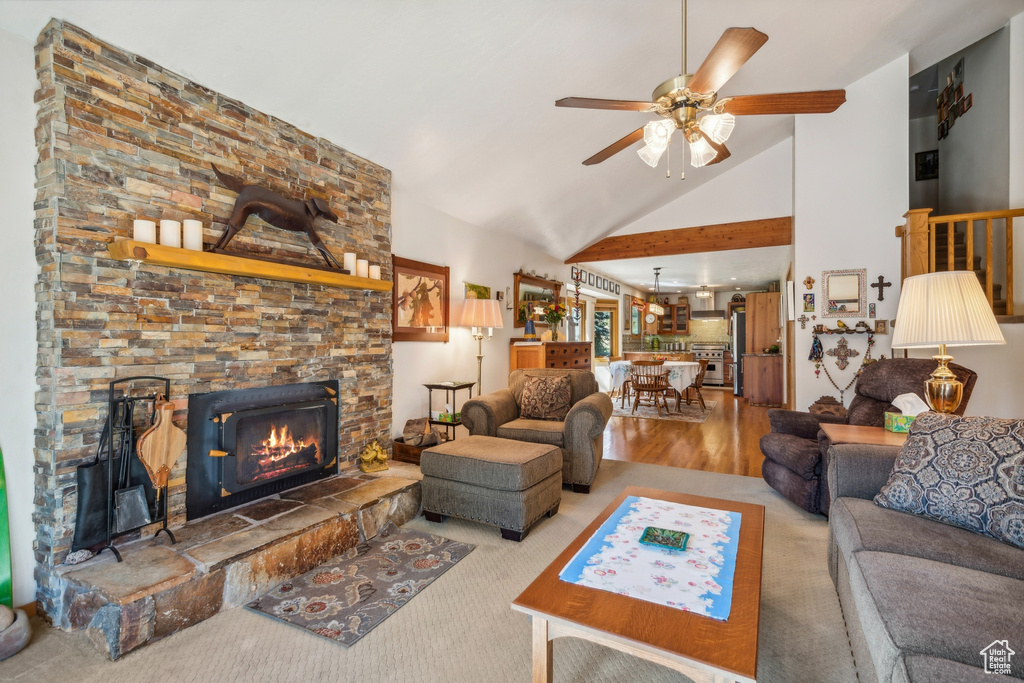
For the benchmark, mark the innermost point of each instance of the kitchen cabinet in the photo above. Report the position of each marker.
(676, 319)
(762, 379)
(568, 355)
(763, 324)
(727, 368)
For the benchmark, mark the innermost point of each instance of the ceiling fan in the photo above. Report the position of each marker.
(690, 103)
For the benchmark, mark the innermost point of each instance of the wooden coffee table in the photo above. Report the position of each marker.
(704, 649)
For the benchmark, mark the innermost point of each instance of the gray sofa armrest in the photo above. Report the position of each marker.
(859, 470)
(484, 414)
(583, 438)
(798, 423)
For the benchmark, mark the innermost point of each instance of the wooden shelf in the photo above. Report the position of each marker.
(130, 250)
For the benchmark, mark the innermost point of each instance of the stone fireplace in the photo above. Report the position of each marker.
(120, 138)
(245, 444)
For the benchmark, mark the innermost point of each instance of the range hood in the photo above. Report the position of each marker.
(709, 313)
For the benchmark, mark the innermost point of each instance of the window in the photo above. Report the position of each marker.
(605, 326)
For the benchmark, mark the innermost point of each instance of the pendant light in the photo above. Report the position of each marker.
(656, 308)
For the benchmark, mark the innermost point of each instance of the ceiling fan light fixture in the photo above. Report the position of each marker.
(701, 152)
(718, 127)
(659, 133)
(651, 155)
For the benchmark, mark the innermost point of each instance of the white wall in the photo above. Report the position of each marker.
(761, 187)
(973, 158)
(1016, 149)
(474, 255)
(849, 191)
(17, 279)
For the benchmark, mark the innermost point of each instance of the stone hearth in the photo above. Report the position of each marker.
(226, 560)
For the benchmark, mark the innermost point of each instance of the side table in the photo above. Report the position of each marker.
(449, 388)
(842, 433)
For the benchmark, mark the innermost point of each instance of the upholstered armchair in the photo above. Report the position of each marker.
(796, 450)
(580, 435)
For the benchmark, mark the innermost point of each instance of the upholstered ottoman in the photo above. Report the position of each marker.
(509, 484)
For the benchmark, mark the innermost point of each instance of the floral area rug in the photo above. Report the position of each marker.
(346, 598)
(688, 413)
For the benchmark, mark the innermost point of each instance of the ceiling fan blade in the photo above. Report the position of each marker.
(732, 51)
(616, 147)
(814, 102)
(593, 103)
(723, 151)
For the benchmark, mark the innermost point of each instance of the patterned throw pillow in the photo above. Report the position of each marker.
(964, 471)
(546, 397)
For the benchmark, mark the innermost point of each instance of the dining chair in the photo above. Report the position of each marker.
(697, 383)
(649, 377)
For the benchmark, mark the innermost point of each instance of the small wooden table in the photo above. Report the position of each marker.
(705, 649)
(876, 436)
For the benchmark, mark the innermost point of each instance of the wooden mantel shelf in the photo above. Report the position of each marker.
(130, 250)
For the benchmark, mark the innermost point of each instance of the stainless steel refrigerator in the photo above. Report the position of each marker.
(739, 347)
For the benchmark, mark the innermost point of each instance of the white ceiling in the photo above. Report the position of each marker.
(456, 97)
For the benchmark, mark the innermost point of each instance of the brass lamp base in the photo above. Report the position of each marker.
(943, 390)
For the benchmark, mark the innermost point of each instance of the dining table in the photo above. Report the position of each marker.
(681, 373)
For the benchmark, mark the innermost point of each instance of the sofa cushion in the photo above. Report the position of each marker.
(881, 382)
(803, 492)
(913, 605)
(924, 669)
(856, 524)
(546, 398)
(797, 454)
(491, 462)
(534, 431)
(964, 471)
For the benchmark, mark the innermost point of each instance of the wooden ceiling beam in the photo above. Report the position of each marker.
(765, 232)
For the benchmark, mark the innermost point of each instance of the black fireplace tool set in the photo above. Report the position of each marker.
(116, 495)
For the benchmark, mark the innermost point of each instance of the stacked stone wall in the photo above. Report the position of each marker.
(121, 138)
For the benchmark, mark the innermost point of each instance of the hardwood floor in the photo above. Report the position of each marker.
(726, 442)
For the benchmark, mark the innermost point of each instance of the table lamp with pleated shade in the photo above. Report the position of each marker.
(944, 309)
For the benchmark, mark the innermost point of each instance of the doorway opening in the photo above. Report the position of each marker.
(606, 342)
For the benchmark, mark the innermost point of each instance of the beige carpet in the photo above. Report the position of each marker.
(461, 627)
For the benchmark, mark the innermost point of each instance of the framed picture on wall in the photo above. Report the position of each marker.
(590, 279)
(926, 165)
(616, 289)
(419, 301)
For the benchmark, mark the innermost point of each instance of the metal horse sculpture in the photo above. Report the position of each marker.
(281, 212)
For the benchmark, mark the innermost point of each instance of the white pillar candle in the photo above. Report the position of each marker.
(349, 261)
(144, 231)
(192, 234)
(374, 272)
(170, 233)
(362, 268)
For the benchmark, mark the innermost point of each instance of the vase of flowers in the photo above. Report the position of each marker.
(553, 314)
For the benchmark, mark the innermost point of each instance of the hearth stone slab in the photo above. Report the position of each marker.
(216, 554)
(226, 560)
(322, 488)
(267, 508)
(369, 493)
(145, 570)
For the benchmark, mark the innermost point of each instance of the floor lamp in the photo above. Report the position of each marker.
(478, 314)
(944, 309)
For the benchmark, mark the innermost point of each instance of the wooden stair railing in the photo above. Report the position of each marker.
(934, 243)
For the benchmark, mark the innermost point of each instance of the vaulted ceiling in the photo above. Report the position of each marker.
(456, 97)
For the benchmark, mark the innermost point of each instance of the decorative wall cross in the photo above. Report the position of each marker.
(803, 322)
(809, 282)
(842, 353)
(881, 285)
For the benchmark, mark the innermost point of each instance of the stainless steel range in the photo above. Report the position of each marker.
(715, 354)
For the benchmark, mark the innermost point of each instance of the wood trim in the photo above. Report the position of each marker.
(765, 232)
(187, 259)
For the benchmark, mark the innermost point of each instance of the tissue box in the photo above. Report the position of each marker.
(451, 418)
(898, 422)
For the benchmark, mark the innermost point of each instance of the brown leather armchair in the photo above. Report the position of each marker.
(796, 450)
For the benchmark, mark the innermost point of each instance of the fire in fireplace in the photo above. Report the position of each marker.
(249, 443)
